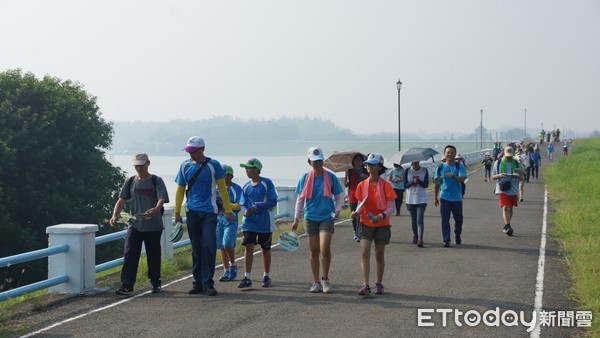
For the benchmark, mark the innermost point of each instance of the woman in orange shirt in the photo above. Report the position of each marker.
(376, 197)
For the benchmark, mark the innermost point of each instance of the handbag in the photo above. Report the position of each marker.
(505, 186)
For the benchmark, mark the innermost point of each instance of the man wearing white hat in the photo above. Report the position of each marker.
(147, 193)
(197, 179)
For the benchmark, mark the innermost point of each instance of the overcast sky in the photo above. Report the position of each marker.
(339, 60)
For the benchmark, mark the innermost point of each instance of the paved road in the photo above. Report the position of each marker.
(487, 271)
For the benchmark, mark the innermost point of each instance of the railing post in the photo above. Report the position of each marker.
(165, 240)
(79, 262)
(288, 205)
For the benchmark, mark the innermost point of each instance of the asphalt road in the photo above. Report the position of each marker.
(489, 270)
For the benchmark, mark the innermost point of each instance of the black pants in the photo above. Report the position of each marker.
(399, 197)
(354, 220)
(133, 251)
(535, 170)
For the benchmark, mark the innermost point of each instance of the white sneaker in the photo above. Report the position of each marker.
(315, 288)
(326, 285)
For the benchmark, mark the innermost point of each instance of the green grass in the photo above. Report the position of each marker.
(574, 188)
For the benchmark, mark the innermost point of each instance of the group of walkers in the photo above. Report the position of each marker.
(213, 203)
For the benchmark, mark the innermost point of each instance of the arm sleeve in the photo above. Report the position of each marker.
(339, 202)
(425, 182)
(224, 195)
(268, 204)
(179, 198)
(407, 183)
(390, 208)
(299, 210)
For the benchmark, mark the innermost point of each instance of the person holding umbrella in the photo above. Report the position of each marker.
(353, 177)
(416, 180)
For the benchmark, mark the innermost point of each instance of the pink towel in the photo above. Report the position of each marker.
(379, 196)
(309, 182)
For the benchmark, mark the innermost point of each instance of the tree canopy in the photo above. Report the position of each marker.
(52, 159)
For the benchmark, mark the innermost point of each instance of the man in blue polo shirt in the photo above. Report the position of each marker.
(201, 175)
(448, 194)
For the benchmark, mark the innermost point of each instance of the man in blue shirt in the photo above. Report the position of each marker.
(448, 194)
(201, 175)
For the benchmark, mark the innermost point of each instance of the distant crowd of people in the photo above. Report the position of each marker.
(213, 204)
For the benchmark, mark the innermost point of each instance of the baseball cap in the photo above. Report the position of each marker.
(252, 163)
(193, 144)
(315, 154)
(139, 159)
(374, 158)
(509, 151)
(228, 169)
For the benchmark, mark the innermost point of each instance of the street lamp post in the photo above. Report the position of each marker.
(481, 129)
(399, 85)
(525, 126)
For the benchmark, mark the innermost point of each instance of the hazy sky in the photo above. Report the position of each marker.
(339, 60)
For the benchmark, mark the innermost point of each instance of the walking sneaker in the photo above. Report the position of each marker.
(420, 243)
(457, 240)
(195, 291)
(245, 283)
(232, 272)
(509, 231)
(415, 239)
(446, 244)
(156, 286)
(225, 276)
(326, 286)
(124, 291)
(210, 290)
(505, 229)
(364, 290)
(356, 238)
(378, 289)
(315, 288)
(266, 282)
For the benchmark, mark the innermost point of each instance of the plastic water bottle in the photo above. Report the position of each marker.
(371, 217)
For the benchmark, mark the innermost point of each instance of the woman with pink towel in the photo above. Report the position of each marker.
(316, 191)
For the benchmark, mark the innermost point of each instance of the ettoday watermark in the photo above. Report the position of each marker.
(497, 317)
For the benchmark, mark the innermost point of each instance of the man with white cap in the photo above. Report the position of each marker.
(147, 193)
(197, 179)
(507, 186)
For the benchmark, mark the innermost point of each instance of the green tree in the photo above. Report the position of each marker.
(53, 168)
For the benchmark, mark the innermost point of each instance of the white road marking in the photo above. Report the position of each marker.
(539, 281)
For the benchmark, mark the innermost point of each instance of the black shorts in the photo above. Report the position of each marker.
(264, 239)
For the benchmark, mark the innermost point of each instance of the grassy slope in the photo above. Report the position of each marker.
(574, 187)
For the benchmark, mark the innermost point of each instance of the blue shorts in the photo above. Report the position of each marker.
(226, 234)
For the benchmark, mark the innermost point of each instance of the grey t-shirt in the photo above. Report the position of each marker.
(514, 188)
(143, 197)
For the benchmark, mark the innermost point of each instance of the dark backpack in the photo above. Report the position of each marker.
(154, 179)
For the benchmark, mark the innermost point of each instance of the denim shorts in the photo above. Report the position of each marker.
(226, 235)
(313, 228)
(381, 235)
